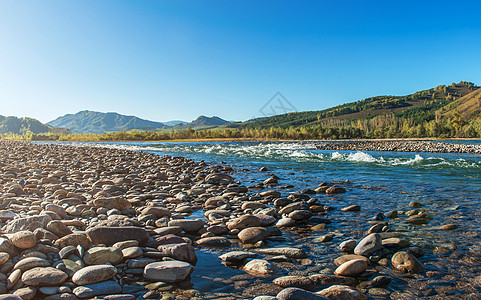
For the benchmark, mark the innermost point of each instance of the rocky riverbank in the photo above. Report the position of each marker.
(400, 146)
(84, 222)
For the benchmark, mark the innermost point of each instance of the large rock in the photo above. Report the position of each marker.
(27, 223)
(31, 262)
(243, 222)
(405, 262)
(347, 246)
(342, 292)
(44, 276)
(7, 246)
(260, 267)
(111, 235)
(300, 214)
(302, 282)
(159, 212)
(157, 241)
(188, 225)
(74, 239)
(113, 202)
(4, 256)
(292, 207)
(345, 258)
(351, 268)
(168, 271)
(237, 256)
(286, 251)
(253, 235)
(94, 274)
(328, 280)
(369, 245)
(181, 251)
(214, 241)
(23, 239)
(58, 228)
(96, 289)
(102, 255)
(293, 293)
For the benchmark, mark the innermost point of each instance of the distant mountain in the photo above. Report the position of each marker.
(174, 122)
(17, 125)
(97, 122)
(203, 122)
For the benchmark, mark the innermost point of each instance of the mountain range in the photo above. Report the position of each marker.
(460, 100)
(98, 122)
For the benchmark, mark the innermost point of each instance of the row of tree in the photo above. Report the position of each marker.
(385, 126)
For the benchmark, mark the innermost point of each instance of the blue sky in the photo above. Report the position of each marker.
(165, 60)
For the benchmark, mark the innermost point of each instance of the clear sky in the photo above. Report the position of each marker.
(165, 60)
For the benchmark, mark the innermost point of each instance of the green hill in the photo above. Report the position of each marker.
(97, 122)
(421, 106)
(468, 107)
(15, 125)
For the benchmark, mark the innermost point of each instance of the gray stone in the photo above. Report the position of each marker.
(369, 245)
(94, 274)
(31, 262)
(44, 277)
(342, 292)
(237, 256)
(252, 235)
(405, 262)
(27, 223)
(260, 267)
(111, 235)
(102, 255)
(214, 241)
(188, 225)
(298, 294)
(168, 271)
(290, 252)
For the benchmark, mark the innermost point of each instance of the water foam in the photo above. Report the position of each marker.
(293, 152)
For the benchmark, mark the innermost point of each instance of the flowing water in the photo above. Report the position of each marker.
(447, 185)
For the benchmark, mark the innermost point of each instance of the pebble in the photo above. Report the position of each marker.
(23, 239)
(293, 293)
(302, 282)
(47, 276)
(111, 235)
(342, 292)
(102, 255)
(351, 268)
(237, 256)
(93, 274)
(168, 271)
(260, 267)
(369, 245)
(252, 235)
(405, 262)
(290, 252)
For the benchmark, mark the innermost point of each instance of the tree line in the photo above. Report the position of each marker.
(384, 126)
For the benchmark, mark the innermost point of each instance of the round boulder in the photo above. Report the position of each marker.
(168, 271)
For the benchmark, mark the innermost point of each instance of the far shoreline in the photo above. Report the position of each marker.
(259, 140)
